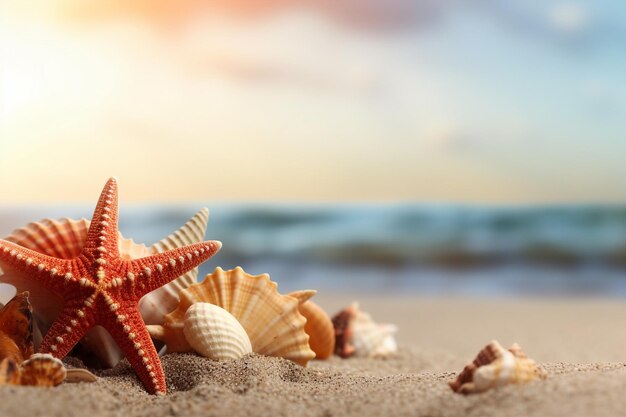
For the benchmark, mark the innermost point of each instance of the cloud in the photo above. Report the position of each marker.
(569, 18)
(455, 137)
(367, 14)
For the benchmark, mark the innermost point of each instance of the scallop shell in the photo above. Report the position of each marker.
(65, 238)
(495, 366)
(42, 370)
(272, 321)
(215, 333)
(318, 326)
(358, 335)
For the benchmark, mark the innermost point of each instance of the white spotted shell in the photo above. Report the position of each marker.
(214, 333)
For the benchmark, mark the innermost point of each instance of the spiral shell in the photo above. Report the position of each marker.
(16, 329)
(214, 333)
(495, 366)
(318, 326)
(9, 372)
(272, 321)
(64, 238)
(358, 335)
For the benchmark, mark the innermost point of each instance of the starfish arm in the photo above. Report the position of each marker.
(47, 270)
(159, 269)
(102, 236)
(69, 327)
(131, 335)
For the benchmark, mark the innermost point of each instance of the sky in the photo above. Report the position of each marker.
(317, 101)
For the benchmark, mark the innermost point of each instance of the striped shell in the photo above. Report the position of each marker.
(65, 238)
(358, 335)
(42, 370)
(215, 333)
(271, 320)
(495, 366)
(318, 326)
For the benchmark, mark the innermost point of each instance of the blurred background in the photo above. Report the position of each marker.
(384, 146)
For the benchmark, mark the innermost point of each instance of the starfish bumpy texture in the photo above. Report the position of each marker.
(98, 287)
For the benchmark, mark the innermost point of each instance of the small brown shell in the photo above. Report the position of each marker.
(318, 326)
(495, 366)
(488, 354)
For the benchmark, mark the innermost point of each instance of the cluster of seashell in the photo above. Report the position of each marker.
(357, 334)
(16, 344)
(232, 313)
(495, 366)
(65, 238)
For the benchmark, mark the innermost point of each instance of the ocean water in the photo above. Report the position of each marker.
(421, 249)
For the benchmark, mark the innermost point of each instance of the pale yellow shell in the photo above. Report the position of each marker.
(215, 333)
(495, 366)
(65, 238)
(271, 320)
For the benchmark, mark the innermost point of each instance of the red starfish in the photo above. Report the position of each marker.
(100, 288)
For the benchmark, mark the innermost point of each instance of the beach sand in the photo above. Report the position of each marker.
(581, 343)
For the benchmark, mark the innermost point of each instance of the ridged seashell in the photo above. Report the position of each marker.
(495, 366)
(42, 370)
(157, 304)
(65, 238)
(318, 326)
(358, 335)
(215, 333)
(272, 321)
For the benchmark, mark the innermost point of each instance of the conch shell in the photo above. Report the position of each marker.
(65, 238)
(318, 326)
(495, 366)
(358, 335)
(215, 333)
(272, 321)
(16, 344)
